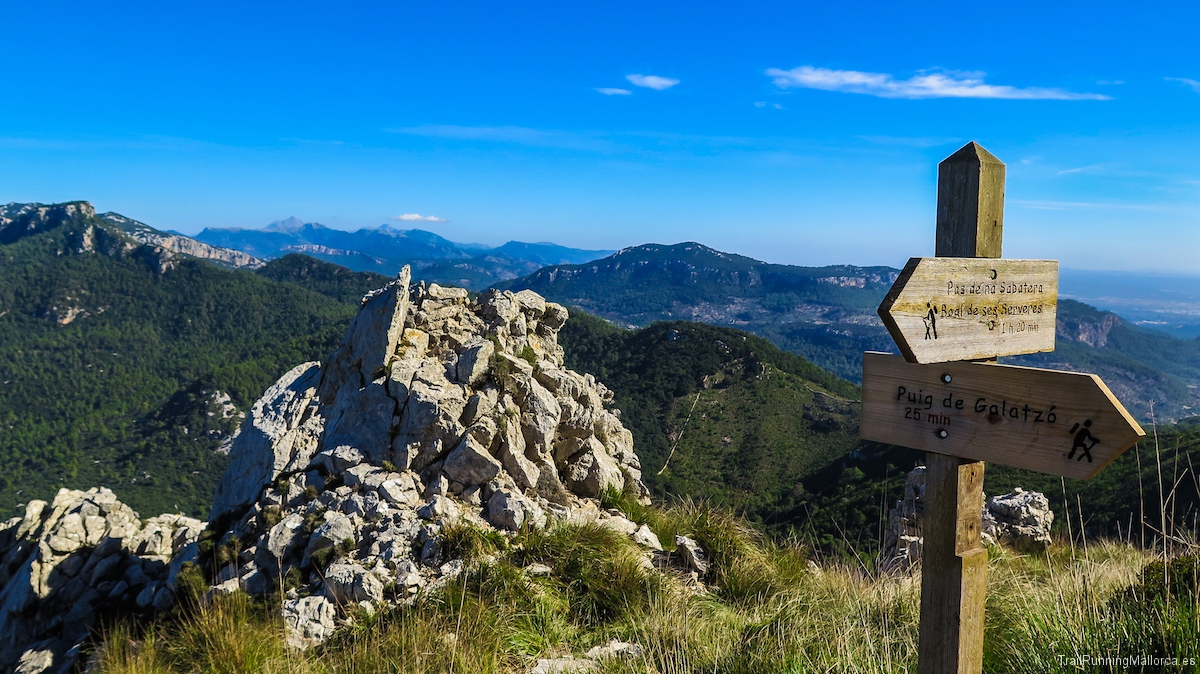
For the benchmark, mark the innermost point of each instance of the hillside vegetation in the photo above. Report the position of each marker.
(126, 367)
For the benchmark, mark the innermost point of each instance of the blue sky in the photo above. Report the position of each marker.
(796, 133)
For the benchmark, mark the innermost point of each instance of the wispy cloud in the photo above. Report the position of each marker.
(1194, 84)
(611, 91)
(417, 217)
(922, 85)
(1081, 205)
(519, 135)
(651, 81)
(1082, 169)
(763, 104)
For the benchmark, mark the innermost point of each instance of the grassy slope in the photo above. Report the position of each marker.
(116, 397)
(764, 610)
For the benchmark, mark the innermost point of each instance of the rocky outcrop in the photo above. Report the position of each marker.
(20, 220)
(65, 562)
(1020, 519)
(436, 409)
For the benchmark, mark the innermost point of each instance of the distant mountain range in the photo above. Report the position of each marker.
(827, 315)
(1168, 303)
(385, 249)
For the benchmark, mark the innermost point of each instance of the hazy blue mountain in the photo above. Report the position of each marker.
(385, 249)
(827, 315)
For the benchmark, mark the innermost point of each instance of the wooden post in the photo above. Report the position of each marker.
(970, 223)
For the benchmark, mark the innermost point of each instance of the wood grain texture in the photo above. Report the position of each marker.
(970, 224)
(970, 204)
(952, 308)
(953, 568)
(1060, 423)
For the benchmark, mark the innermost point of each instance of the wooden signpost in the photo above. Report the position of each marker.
(954, 308)
(1062, 423)
(962, 413)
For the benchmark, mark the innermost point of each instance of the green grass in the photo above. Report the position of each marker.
(764, 609)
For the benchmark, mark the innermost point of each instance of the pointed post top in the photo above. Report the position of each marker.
(972, 152)
(970, 204)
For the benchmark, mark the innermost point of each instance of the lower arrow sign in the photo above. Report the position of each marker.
(1061, 423)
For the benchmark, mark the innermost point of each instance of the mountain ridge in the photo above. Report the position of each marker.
(384, 249)
(828, 315)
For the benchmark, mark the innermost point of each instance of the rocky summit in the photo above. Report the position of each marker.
(436, 410)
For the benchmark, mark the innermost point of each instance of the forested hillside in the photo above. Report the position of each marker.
(827, 315)
(123, 366)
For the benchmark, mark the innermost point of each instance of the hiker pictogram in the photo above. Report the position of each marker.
(930, 321)
(1082, 439)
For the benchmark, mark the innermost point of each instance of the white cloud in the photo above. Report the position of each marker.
(1194, 84)
(922, 85)
(610, 91)
(652, 81)
(417, 217)
(763, 104)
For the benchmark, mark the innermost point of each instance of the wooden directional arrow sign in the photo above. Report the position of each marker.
(1061, 423)
(956, 308)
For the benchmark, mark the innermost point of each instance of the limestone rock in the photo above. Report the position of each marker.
(474, 361)
(67, 561)
(569, 665)
(347, 584)
(471, 464)
(692, 554)
(646, 538)
(615, 649)
(273, 437)
(1020, 519)
(362, 419)
(371, 340)
(435, 411)
(591, 472)
(309, 621)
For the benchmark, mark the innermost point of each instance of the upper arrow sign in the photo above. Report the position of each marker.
(1062, 423)
(956, 308)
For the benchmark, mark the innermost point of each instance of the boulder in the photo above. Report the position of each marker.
(470, 463)
(309, 621)
(592, 472)
(692, 554)
(1020, 519)
(370, 342)
(473, 361)
(347, 584)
